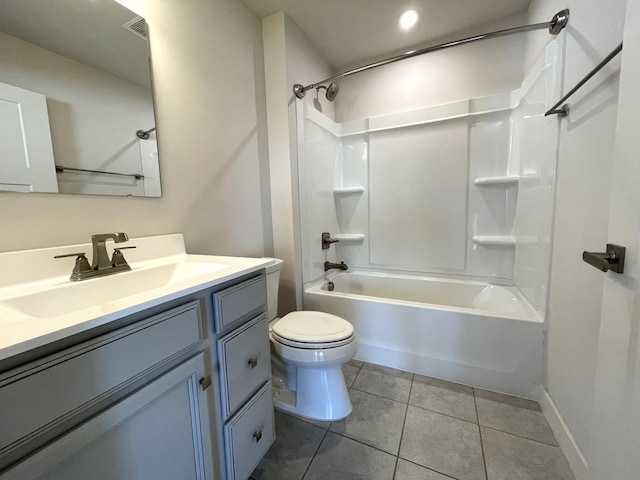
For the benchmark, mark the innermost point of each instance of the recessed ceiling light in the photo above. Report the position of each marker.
(408, 19)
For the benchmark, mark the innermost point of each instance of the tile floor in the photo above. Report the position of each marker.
(409, 427)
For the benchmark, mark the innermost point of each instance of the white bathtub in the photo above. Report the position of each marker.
(464, 331)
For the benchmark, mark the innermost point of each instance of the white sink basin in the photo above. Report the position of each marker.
(40, 305)
(103, 292)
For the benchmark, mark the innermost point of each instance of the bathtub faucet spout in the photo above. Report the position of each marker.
(338, 266)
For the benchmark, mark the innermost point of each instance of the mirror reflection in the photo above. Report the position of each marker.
(76, 107)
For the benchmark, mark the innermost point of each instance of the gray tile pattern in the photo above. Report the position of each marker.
(443, 397)
(384, 381)
(513, 415)
(350, 373)
(515, 458)
(410, 471)
(431, 421)
(443, 443)
(342, 458)
(355, 363)
(375, 421)
(290, 455)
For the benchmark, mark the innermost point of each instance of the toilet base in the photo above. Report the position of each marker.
(321, 394)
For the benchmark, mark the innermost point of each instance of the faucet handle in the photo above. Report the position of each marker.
(118, 258)
(327, 240)
(80, 254)
(81, 267)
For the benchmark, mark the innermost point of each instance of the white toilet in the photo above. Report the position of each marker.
(308, 350)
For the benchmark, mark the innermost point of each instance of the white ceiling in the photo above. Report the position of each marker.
(89, 32)
(350, 32)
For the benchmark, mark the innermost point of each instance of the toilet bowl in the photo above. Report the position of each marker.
(308, 350)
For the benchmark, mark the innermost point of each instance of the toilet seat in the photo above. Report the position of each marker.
(312, 330)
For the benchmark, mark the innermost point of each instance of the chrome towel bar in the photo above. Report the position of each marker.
(60, 169)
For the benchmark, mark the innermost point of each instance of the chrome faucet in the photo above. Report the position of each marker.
(338, 266)
(101, 264)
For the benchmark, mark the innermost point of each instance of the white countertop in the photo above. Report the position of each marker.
(33, 271)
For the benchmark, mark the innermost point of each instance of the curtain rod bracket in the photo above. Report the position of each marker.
(144, 134)
(559, 21)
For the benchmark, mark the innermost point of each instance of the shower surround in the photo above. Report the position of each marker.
(459, 191)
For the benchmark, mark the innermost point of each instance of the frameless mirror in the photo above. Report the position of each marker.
(76, 106)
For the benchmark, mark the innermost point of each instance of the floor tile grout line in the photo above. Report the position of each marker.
(445, 414)
(519, 436)
(361, 442)
(355, 377)
(508, 395)
(428, 468)
(404, 422)
(395, 468)
(313, 457)
(382, 396)
(484, 457)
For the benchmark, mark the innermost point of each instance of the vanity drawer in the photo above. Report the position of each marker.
(249, 435)
(245, 362)
(239, 303)
(82, 376)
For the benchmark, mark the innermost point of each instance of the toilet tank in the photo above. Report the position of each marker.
(273, 282)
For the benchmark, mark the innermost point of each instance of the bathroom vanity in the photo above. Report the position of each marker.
(158, 373)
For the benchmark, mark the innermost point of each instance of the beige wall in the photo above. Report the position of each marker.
(209, 79)
(289, 58)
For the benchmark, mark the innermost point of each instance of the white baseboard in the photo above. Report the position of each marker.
(568, 445)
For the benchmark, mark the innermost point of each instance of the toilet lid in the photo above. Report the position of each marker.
(313, 327)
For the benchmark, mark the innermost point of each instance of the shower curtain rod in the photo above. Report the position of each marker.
(555, 26)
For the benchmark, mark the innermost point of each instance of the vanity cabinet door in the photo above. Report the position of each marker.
(249, 434)
(239, 303)
(245, 363)
(85, 374)
(161, 432)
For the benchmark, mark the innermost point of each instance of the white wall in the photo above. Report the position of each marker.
(93, 115)
(469, 71)
(615, 435)
(409, 164)
(289, 58)
(209, 77)
(583, 187)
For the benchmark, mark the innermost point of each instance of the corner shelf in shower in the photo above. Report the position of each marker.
(504, 240)
(349, 237)
(348, 190)
(502, 180)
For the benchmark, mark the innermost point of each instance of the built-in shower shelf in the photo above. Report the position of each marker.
(349, 237)
(503, 180)
(494, 240)
(348, 190)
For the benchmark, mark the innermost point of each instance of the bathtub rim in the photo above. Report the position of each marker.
(314, 289)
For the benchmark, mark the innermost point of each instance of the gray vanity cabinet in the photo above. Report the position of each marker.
(244, 356)
(160, 432)
(181, 391)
